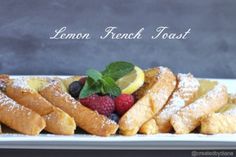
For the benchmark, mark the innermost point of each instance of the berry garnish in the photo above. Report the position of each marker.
(83, 80)
(123, 103)
(114, 117)
(102, 104)
(88, 100)
(111, 96)
(75, 88)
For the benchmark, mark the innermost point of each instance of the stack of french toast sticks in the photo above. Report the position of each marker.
(164, 103)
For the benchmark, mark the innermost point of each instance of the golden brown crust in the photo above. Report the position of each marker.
(54, 117)
(149, 80)
(29, 98)
(149, 128)
(89, 120)
(185, 93)
(188, 118)
(19, 117)
(59, 122)
(216, 123)
(154, 95)
(232, 99)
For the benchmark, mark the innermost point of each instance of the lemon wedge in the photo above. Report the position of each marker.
(132, 81)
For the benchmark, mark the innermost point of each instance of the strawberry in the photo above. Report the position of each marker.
(123, 103)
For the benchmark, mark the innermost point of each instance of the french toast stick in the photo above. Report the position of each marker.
(189, 117)
(149, 128)
(232, 99)
(216, 123)
(185, 93)
(222, 122)
(19, 117)
(89, 120)
(57, 121)
(158, 86)
(20, 91)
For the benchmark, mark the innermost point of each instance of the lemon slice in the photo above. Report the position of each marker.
(132, 81)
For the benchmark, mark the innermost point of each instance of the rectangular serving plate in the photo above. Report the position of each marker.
(145, 142)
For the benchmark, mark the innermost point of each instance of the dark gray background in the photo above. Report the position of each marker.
(25, 48)
(25, 28)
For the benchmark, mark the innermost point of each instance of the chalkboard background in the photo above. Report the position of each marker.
(25, 28)
(25, 47)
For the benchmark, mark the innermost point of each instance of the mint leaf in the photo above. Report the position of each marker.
(94, 74)
(109, 86)
(105, 82)
(91, 87)
(118, 69)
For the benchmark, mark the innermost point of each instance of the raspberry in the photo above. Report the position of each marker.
(102, 104)
(82, 80)
(123, 103)
(88, 99)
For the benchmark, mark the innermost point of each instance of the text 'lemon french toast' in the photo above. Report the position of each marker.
(158, 86)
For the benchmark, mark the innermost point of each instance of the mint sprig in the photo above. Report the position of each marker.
(104, 82)
(94, 74)
(110, 87)
(90, 87)
(117, 70)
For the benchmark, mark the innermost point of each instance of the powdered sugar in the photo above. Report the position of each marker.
(22, 83)
(187, 88)
(60, 93)
(189, 116)
(188, 85)
(231, 112)
(174, 104)
(11, 105)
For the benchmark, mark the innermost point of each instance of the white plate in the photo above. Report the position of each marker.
(159, 141)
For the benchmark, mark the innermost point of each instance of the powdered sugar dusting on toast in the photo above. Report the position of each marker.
(186, 89)
(190, 114)
(12, 105)
(22, 83)
(230, 112)
(187, 86)
(213, 94)
(162, 70)
(156, 96)
(59, 93)
(174, 104)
